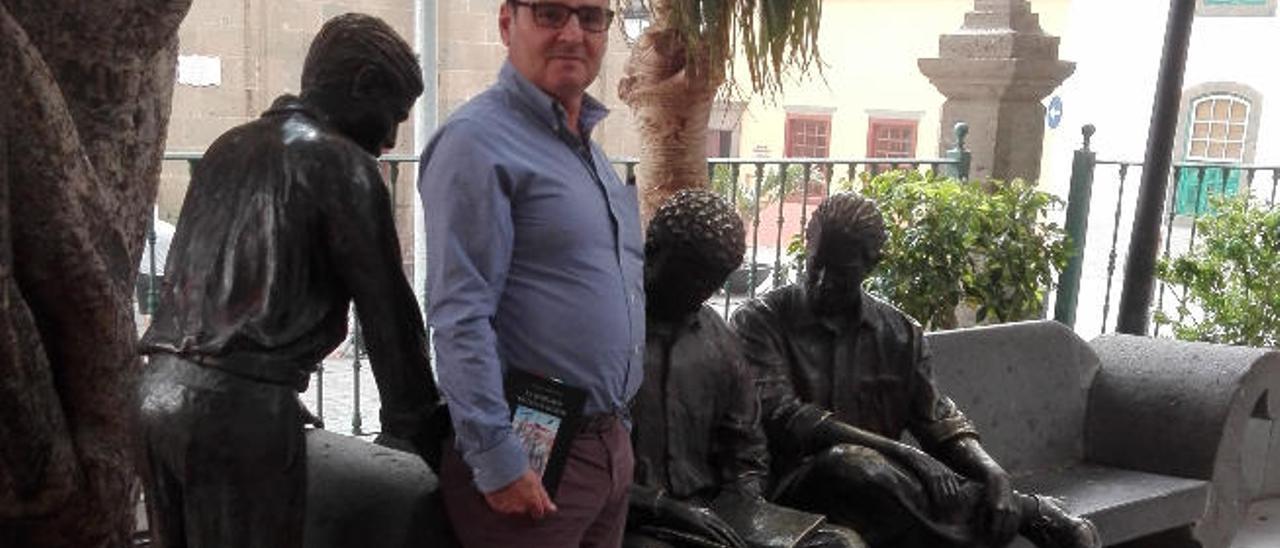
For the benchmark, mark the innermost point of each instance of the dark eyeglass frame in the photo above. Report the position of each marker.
(546, 13)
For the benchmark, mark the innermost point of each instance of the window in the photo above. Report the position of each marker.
(1218, 124)
(724, 129)
(1218, 131)
(719, 143)
(1236, 8)
(808, 136)
(891, 138)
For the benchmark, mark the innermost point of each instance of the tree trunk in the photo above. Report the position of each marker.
(87, 93)
(671, 98)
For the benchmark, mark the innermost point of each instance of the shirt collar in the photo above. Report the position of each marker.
(806, 317)
(545, 107)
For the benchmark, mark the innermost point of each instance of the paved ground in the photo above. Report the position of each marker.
(1262, 527)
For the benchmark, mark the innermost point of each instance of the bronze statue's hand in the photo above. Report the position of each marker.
(700, 521)
(940, 482)
(524, 496)
(1000, 511)
(307, 416)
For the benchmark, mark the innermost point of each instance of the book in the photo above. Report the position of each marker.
(763, 524)
(545, 416)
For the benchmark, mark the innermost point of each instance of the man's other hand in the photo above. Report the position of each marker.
(524, 496)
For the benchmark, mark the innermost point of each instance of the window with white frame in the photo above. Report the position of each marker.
(1219, 129)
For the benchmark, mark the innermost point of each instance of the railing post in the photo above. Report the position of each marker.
(1077, 226)
(960, 154)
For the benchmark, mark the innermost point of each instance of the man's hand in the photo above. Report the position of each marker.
(699, 521)
(999, 513)
(524, 496)
(940, 482)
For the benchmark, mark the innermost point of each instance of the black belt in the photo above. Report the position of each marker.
(596, 423)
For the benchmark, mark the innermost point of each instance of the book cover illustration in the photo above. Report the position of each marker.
(545, 413)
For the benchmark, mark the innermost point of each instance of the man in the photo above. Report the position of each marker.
(697, 433)
(842, 375)
(287, 220)
(534, 262)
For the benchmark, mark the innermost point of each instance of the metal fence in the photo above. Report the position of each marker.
(775, 197)
(1101, 233)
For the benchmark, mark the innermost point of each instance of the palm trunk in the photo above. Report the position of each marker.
(672, 99)
(84, 122)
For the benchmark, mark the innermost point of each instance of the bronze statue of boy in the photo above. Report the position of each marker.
(842, 375)
(696, 435)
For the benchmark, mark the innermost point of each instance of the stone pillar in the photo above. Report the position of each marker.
(994, 72)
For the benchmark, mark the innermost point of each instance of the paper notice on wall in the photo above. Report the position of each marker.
(199, 70)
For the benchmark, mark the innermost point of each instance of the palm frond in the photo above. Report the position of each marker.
(772, 36)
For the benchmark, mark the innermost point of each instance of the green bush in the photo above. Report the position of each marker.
(951, 242)
(1227, 288)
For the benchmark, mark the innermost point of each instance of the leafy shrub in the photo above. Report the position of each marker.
(951, 242)
(1227, 288)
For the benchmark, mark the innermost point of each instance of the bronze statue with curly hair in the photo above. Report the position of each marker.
(697, 434)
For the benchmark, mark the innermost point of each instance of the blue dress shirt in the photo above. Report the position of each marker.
(534, 260)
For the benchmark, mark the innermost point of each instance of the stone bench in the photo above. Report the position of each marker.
(1159, 442)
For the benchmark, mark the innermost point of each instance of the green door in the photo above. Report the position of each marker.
(1197, 183)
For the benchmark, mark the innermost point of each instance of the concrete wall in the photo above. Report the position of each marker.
(258, 47)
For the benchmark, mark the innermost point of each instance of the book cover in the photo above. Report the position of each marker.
(545, 415)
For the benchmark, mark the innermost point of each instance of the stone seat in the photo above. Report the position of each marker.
(1162, 443)
(1122, 503)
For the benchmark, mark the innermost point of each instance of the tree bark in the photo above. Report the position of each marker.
(88, 91)
(671, 98)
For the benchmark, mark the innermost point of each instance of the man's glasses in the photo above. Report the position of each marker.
(554, 15)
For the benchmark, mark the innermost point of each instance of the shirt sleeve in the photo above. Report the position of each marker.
(934, 418)
(365, 253)
(764, 349)
(746, 454)
(469, 235)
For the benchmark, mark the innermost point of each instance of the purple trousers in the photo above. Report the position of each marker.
(591, 498)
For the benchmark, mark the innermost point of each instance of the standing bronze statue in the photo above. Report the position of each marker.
(842, 375)
(697, 434)
(286, 222)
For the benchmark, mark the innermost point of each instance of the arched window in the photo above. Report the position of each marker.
(1219, 124)
(1218, 131)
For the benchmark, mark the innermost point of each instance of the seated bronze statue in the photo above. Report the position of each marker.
(697, 437)
(842, 375)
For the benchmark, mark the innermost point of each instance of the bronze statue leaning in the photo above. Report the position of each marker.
(287, 220)
(842, 375)
(701, 455)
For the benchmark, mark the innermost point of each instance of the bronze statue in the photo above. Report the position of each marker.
(286, 222)
(842, 375)
(697, 437)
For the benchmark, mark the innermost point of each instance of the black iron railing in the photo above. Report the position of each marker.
(774, 195)
(1112, 184)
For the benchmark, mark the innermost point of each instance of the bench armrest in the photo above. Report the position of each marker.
(1182, 409)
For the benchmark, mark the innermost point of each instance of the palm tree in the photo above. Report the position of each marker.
(83, 121)
(682, 61)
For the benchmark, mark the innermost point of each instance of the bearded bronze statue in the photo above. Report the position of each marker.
(842, 376)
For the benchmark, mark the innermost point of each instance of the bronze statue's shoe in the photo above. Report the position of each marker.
(1053, 527)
